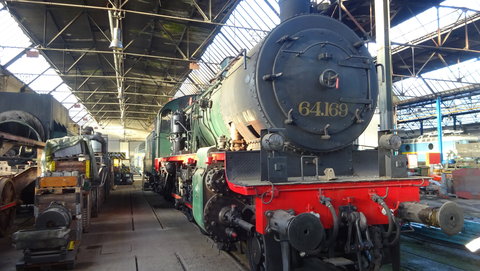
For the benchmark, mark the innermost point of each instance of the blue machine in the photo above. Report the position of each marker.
(428, 143)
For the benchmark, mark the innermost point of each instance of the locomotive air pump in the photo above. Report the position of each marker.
(390, 164)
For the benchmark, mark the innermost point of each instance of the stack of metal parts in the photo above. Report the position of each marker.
(18, 171)
(50, 240)
(62, 205)
(102, 181)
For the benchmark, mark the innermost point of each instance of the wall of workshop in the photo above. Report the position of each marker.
(133, 145)
(467, 129)
(116, 145)
(369, 138)
(113, 145)
(124, 147)
(10, 83)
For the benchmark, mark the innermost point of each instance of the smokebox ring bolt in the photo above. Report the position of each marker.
(325, 132)
(289, 119)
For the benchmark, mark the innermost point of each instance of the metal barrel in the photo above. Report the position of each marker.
(56, 215)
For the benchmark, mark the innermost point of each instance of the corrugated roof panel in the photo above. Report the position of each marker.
(10, 35)
(250, 14)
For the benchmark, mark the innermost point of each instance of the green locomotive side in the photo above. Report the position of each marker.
(162, 127)
(206, 119)
(199, 197)
(202, 139)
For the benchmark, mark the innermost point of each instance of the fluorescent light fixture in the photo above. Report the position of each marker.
(473, 245)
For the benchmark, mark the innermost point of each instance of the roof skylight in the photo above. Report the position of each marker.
(27, 69)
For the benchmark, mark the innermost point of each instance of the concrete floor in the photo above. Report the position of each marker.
(137, 230)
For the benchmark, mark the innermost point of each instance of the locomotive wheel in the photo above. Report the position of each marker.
(215, 182)
(213, 225)
(7, 196)
(165, 186)
(264, 253)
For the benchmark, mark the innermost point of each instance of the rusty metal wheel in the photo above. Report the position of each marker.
(7, 205)
(264, 253)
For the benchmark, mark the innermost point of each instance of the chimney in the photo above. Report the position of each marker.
(292, 8)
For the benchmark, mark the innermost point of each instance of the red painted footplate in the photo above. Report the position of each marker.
(306, 197)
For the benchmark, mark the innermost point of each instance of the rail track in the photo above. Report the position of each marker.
(237, 257)
(420, 253)
(417, 253)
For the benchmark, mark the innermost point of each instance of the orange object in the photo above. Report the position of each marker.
(436, 177)
(194, 66)
(433, 158)
(32, 53)
(63, 181)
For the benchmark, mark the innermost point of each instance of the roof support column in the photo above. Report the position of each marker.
(115, 17)
(384, 57)
(439, 127)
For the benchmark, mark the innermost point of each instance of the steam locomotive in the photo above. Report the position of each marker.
(265, 156)
(27, 120)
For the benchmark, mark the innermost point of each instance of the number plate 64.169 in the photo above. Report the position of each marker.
(323, 109)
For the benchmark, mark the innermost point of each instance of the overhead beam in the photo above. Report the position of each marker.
(65, 27)
(128, 78)
(76, 61)
(15, 58)
(447, 30)
(199, 9)
(170, 37)
(434, 79)
(99, 28)
(141, 32)
(128, 112)
(166, 58)
(459, 93)
(169, 17)
(86, 79)
(126, 93)
(435, 48)
(38, 76)
(48, 11)
(111, 103)
(434, 116)
(127, 117)
(55, 88)
(91, 92)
